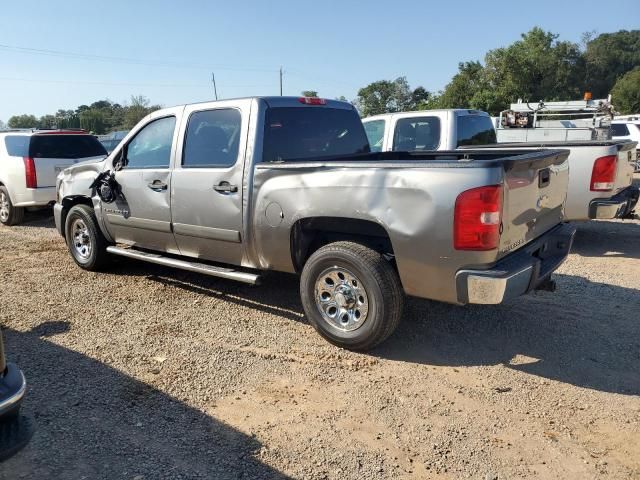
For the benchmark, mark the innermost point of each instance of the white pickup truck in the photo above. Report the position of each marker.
(601, 172)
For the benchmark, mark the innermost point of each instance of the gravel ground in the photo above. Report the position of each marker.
(144, 373)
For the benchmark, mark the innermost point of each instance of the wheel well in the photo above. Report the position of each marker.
(310, 234)
(70, 202)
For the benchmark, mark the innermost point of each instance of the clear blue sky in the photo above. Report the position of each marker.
(334, 47)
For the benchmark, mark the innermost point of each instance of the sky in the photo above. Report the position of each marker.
(61, 54)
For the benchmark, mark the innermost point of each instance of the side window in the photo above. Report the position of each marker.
(212, 139)
(17, 145)
(151, 147)
(375, 134)
(416, 134)
(619, 130)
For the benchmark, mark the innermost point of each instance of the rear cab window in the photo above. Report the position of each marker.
(416, 133)
(65, 146)
(375, 134)
(475, 130)
(301, 133)
(619, 130)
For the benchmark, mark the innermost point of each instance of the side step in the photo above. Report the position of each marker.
(222, 272)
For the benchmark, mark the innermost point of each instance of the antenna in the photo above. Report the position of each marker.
(213, 79)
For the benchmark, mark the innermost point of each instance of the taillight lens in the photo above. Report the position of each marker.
(477, 218)
(30, 172)
(604, 173)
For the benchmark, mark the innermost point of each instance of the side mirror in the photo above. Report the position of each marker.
(121, 159)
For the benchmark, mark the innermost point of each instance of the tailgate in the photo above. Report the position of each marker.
(625, 165)
(535, 190)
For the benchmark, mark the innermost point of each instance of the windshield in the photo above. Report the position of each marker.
(298, 133)
(65, 146)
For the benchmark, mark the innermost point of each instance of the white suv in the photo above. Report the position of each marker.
(30, 161)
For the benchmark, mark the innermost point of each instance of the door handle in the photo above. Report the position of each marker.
(157, 186)
(225, 187)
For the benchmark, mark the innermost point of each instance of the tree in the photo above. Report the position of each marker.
(608, 57)
(626, 92)
(3, 126)
(385, 96)
(310, 93)
(140, 107)
(23, 121)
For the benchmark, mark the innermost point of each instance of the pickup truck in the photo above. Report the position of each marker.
(236, 188)
(601, 171)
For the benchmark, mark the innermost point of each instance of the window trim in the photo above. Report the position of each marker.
(186, 134)
(416, 119)
(125, 148)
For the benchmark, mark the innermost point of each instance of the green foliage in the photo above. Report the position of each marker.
(23, 121)
(626, 92)
(385, 96)
(100, 117)
(608, 57)
(310, 93)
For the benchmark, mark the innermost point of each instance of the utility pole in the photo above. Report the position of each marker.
(213, 79)
(281, 80)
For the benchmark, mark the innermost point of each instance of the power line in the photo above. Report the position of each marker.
(130, 61)
(117, 84)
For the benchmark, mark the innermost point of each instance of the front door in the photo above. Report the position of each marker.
(141, 216)
(207, 182)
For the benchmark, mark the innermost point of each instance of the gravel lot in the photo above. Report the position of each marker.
(149, 373)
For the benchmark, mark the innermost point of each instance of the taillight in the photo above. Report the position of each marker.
(30, 172)
(312, 101)
(604, 173)
(477, 218)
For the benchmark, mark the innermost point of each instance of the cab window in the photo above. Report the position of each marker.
(422, 133)
(212, 139)
(375, 134)
(151, 147)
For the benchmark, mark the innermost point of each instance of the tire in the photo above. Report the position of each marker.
(9, 215)
(85, 241)
(351, 295)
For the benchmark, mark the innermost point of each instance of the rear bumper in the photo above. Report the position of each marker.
(35, 197)
(12, 389)
(618, 206)
(518, 273)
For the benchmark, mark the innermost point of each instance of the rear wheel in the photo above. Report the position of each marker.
(9, 215)
(87, 245)
(351, 295)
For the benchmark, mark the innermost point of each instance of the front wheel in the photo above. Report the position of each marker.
(87, 245)
(351, 295)
(9, 214)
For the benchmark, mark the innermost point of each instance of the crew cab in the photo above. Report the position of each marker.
(30, 161)
(601, 171)
(236, 188)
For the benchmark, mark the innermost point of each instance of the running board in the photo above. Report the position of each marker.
(196, 267)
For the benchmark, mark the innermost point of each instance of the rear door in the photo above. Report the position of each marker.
(52, 152)
(206, 202)
(141, 216)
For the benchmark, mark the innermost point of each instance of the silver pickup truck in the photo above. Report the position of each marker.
(236, 188)
(601, 171)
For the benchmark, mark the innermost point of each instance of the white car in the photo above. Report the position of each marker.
(627, 129)
(30, 161)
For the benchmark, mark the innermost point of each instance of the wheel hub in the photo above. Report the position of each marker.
(341, 299)
(4, 207)
(81, 239)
